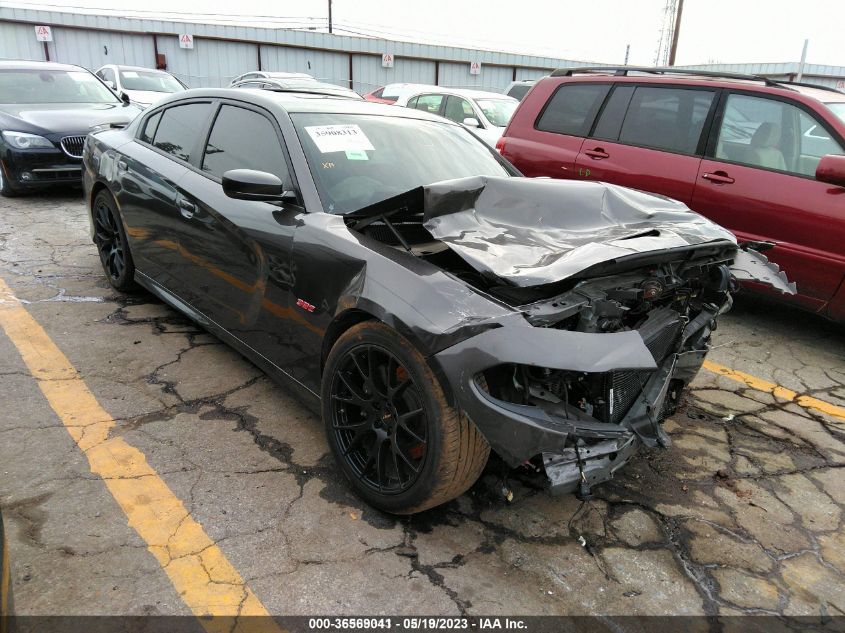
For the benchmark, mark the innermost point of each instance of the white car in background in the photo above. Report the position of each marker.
(486, 113)
(143, 86)
(269, 74)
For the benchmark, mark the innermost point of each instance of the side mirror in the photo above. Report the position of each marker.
(110, 84)
(471, 122)
(125, 98)
(249, 184)
(831, 169)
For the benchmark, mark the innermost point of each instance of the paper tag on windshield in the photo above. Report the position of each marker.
(339, 138)
(130, 73)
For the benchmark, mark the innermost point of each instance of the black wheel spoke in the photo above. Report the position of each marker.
(357, 395)
(408, 462)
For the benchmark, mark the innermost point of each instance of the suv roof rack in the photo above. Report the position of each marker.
(622, 71)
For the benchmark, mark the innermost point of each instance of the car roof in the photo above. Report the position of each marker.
(142, 68)
(690, 77)
(293, 102)
(21, 64)
(460, 92)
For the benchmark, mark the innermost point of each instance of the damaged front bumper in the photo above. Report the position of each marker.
(575, 446)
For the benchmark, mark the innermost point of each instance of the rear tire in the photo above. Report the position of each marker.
(390, 428)
(112, 245)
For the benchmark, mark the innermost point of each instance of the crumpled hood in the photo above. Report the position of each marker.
(534, 231)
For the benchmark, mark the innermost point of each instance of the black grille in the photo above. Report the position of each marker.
(660, 333)
(72, 146)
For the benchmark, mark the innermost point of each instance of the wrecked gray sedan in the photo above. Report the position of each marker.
(434, 305)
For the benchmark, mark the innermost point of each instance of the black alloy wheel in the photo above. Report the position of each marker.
(110, 239)
(379, 419)
(390, 425)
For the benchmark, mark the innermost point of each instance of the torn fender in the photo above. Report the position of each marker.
(750, 265)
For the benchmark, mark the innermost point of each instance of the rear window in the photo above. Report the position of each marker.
(572, 109)
(519, 91)
(180, 127)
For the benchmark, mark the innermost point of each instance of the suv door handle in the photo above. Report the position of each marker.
(597, 153)
(186, 208)
(718, 178)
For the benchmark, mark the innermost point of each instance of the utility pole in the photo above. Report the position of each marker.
(803, 61)
(330, 16)
(675, 32)
(627, 50)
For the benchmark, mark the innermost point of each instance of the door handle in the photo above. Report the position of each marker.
(597, 153)
(718, 178)
(186, 208)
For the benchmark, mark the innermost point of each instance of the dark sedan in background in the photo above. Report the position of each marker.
(46, 110)
(434, 304)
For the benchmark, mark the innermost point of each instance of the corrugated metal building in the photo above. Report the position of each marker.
(832, 76)
(222, 52)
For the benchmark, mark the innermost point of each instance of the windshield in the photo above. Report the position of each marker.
(838, 109)
(150, 81)
(498, 111)
(358, 160)
(52, 86)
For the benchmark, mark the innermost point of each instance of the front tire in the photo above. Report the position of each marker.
(112, 245)
(389, 426)
(6, 189)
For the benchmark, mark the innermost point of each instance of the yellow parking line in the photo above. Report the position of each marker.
(807, 402)
(198, 569)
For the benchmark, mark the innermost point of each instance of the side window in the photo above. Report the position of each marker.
(772, 134)
(150, 127)
(458, 109)
(377, 93)
(243, 139)
(412, 102)
(429, 103)
(180, 127)
(107, 74)
(666, 118)
(572, 109)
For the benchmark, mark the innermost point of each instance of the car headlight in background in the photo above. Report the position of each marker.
(22, 140)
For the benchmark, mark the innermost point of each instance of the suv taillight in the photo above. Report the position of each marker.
(500, 145)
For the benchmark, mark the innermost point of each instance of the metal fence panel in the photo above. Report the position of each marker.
(93, 49)
(323, 65)
(492, 78)
(211, 63)
(530, 73)
(17, 41)
(368, 73)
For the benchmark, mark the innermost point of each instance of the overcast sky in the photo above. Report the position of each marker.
(598, 30)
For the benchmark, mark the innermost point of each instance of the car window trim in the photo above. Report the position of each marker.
(720, 115)
(280, 137)
(705, 130)
(172, 104)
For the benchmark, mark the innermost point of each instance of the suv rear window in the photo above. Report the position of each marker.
(572, 109)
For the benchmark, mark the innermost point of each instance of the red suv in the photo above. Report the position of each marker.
(762, 158)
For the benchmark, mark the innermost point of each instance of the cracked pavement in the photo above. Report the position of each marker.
(742, 516)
